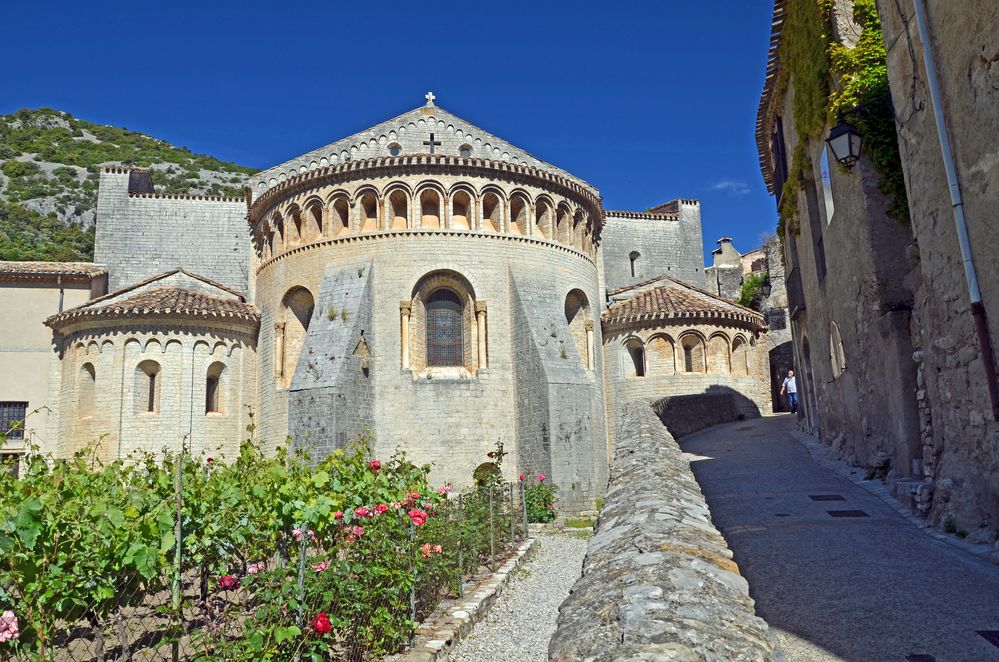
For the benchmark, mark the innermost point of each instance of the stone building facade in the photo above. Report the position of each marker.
(423, 283)
(880, 308)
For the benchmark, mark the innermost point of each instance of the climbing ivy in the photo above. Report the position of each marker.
(829, 77)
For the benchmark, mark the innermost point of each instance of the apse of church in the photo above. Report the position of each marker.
(423, 284)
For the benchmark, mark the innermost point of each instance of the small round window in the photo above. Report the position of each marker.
(395, 149)
(465, 150)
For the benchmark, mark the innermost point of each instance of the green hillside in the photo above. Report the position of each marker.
(49, 170)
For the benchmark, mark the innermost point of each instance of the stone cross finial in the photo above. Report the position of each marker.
(429, 96)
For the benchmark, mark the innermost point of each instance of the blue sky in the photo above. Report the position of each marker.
(647, 101)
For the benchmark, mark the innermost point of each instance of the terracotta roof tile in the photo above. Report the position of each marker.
(161, 301)
(676, 299)
(38, 269)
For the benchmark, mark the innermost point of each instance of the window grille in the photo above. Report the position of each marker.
(445, 341)
(12, 419)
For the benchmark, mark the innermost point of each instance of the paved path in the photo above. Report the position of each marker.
(872, 588)
(519, 625)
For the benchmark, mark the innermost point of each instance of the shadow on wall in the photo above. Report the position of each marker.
(686, 414)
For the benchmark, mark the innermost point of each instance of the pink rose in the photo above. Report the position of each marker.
(541, 477)
(426, 550)
(9, 628)
(438, 549)
(444, 489)
(381, 508)
(228, 583)
(338, 515)
(357, 531)
(254, 568)
(522, 476)
(296, 534)
(362, 511)
(322, 566)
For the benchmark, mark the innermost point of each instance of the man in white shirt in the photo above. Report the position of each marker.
(790, 386)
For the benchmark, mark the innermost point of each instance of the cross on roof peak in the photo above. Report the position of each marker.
(429, 96)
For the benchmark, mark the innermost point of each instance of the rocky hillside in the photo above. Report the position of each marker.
(49, 169)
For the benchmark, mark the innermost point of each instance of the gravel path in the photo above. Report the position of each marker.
(522, 621)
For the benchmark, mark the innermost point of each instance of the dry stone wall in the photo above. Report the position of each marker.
(658, 580)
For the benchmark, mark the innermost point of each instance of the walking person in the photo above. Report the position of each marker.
(790, 386)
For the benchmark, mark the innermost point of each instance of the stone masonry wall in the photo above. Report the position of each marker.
(331, 394)
(686, 414)
(560, 422)
(959, 442)
(140, 234)
(658, 580)
(668, 246)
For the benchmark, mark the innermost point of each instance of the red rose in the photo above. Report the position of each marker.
(375, 466)
(381, 508)
(419, 517)
(321, 623)
(490, 454)
(522, 476)
(338, 515)
(211, 459)
(228, 583)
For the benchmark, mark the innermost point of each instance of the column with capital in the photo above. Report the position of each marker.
(405, 308)
(480, 318)
(588, 325)
(279, 349)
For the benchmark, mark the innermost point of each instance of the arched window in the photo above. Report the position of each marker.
(492, 213)
(398, 205)
(836, 355)
(577, 312)
(578, 230)
(543, 220)
(636, 356)
(368, 213)
(277, 238)
(445, 340)
(314, 222)
(146, 393)
(718, 354)
(518, 215)
(87, 390)
(563, 228)
(633, 257)
(340, 217)
(294, 229)
(740, 356)
(693, 353)
(430, 209)
(461, 206)
(660, 356)
(214, 392)
(296, 315)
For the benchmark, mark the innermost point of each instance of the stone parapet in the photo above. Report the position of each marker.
(658, 581)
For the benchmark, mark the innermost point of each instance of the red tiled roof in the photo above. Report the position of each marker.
(161, 301)
(24, 269)
(673, 299)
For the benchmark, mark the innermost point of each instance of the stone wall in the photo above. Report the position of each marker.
(667, 244)
(959, 436)
(658, 580)
(140, 234)
(331, 394)
(686, 414)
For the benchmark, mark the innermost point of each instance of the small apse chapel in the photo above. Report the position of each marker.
(422, 281)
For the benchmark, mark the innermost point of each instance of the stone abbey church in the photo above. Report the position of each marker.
(422, 280)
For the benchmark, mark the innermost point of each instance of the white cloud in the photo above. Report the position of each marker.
(733, 186)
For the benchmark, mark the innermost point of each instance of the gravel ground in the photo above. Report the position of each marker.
(522, 621)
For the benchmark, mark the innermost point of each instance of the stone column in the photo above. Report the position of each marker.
(588, 325)
(279, 349)
(405, 308)
(480, 318)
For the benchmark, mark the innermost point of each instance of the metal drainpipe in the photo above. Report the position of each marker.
(62, 292)
(957, 203)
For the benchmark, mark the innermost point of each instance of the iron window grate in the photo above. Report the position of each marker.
(12, 419)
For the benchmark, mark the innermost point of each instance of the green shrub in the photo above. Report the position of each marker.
(541, 499)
